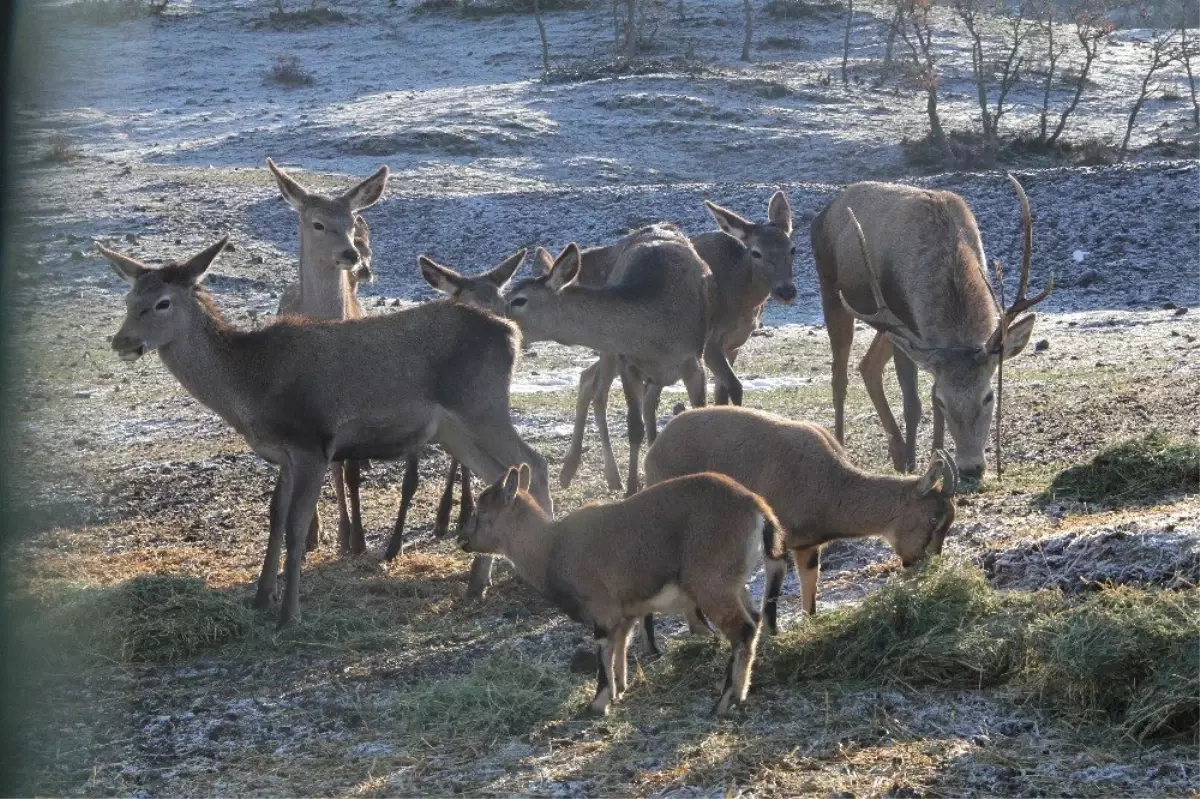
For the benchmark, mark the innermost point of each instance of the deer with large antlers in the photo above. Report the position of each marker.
(305, 393)
(332, 263)
(915, 258)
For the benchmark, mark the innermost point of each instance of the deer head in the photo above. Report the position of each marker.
(962, 387)
(482, 291)
(328, 226)
(770, 245)
(161, 303)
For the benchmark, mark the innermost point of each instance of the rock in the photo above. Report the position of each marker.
(1169, 306)
(77, 255)
(584, 660)
(1180, 311)
(1042, 345)
(1088, 278)
(131, 238)
(257, 259)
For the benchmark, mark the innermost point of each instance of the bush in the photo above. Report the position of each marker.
(801, 9)
(1136, 471)
(110, 12)
(60, 149)
(302, 18)
(288, 72)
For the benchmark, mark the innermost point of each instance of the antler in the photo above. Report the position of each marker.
(1021, 303)
(883, 318)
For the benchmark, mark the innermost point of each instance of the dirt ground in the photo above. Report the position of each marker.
(393, 683)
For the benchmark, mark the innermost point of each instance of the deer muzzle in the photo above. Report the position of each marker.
(784, 292)
(127, 348)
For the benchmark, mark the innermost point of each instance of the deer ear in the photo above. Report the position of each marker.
(192, 270)
(566, 267)
(542, 262)
(779, 212)
(730, 222)
(126, 268)
(1018, 335)
(512, 482)
(504, 272)
(442, 278)
(293, 192)
(524, 476)
(367, 193)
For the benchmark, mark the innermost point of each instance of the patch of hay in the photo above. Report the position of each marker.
(1136, 471)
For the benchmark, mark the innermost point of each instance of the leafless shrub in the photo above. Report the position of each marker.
(915, 17)
(1002, 67)
(1092, 30)
(288, 72)
(60, 149)
(1164, 51)
(1189, 49)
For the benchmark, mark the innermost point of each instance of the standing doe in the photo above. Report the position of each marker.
(331, 265)
(686, 543)
(305, 393)
(917, 256)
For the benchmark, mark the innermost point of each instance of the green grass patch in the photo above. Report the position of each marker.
(1125, 655)
(1135, 471)
(147, 619)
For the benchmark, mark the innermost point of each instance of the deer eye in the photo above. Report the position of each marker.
(756, 254)
(793, 251)
(991, 395)
(162, 304)
(318, 226)
(517, 302)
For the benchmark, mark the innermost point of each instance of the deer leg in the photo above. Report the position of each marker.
(604, 672)
(338, 472)
(632, 385)
(358, 541)
(583, 400)
(729, 388)
(441, 522)
(314, 533)
(721, 393)
(411, 477)
(612, 474)
(839, 323)
(621, 657)
(265, 596)
(906, 374)
(939, 426)
(308, 473)
(651, 642)
(695, 383)
(871, 368)
(808, 570)
(466, 506)
(650, 399)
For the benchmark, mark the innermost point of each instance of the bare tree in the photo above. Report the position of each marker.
(1164, 51)
(916, 17)
(537, 15)
(893, 28)
(846, 39)
(1187, 49)
(630, 29)
(1055, 50)
(749, 29)
(1092, 29)
(1006, 67)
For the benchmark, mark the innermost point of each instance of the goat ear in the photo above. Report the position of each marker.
(512, 482)
(367, 193)
(934, 474)
(128, 269)
(566, 267)
(504, 272)
(542, 262)
(442, 278)
(193, 269)
(730, 222)
(524, 476)
(293, 192)
(1018, 335)
(779, 212)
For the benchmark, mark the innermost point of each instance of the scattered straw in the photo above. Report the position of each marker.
(1135, 471)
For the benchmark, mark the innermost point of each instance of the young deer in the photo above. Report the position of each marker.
(686, 543)
(653, 311)
(917, 257)
(331, 267)
(482, 291)
(810, 483)
(305, 393)
(750, 262)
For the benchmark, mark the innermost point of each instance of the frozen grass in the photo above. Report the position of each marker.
(1135, 471)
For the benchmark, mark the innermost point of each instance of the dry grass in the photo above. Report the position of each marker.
(1136, 471)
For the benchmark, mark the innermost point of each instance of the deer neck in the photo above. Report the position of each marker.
(326, 291)
(530, 548)
(866, 503)
(206, 365)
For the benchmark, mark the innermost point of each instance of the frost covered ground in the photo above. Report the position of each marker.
(125, 475)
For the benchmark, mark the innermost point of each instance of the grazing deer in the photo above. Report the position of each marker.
(750, 262)
(682, 544)
(331, 266)
(305, 393)
(917, 258)
(482, 291)
(653, 312)
(807, 478)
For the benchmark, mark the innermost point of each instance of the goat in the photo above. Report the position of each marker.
(690, 542)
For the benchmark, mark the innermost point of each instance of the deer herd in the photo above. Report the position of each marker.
(326, 388)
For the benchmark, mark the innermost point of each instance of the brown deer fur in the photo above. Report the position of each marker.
(810, 483)
(691, 542)
(306, 393)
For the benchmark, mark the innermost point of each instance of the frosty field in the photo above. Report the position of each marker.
(394, 683)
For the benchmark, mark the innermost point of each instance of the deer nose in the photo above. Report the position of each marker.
(785, 292)
(350, 256)
(971, 473)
